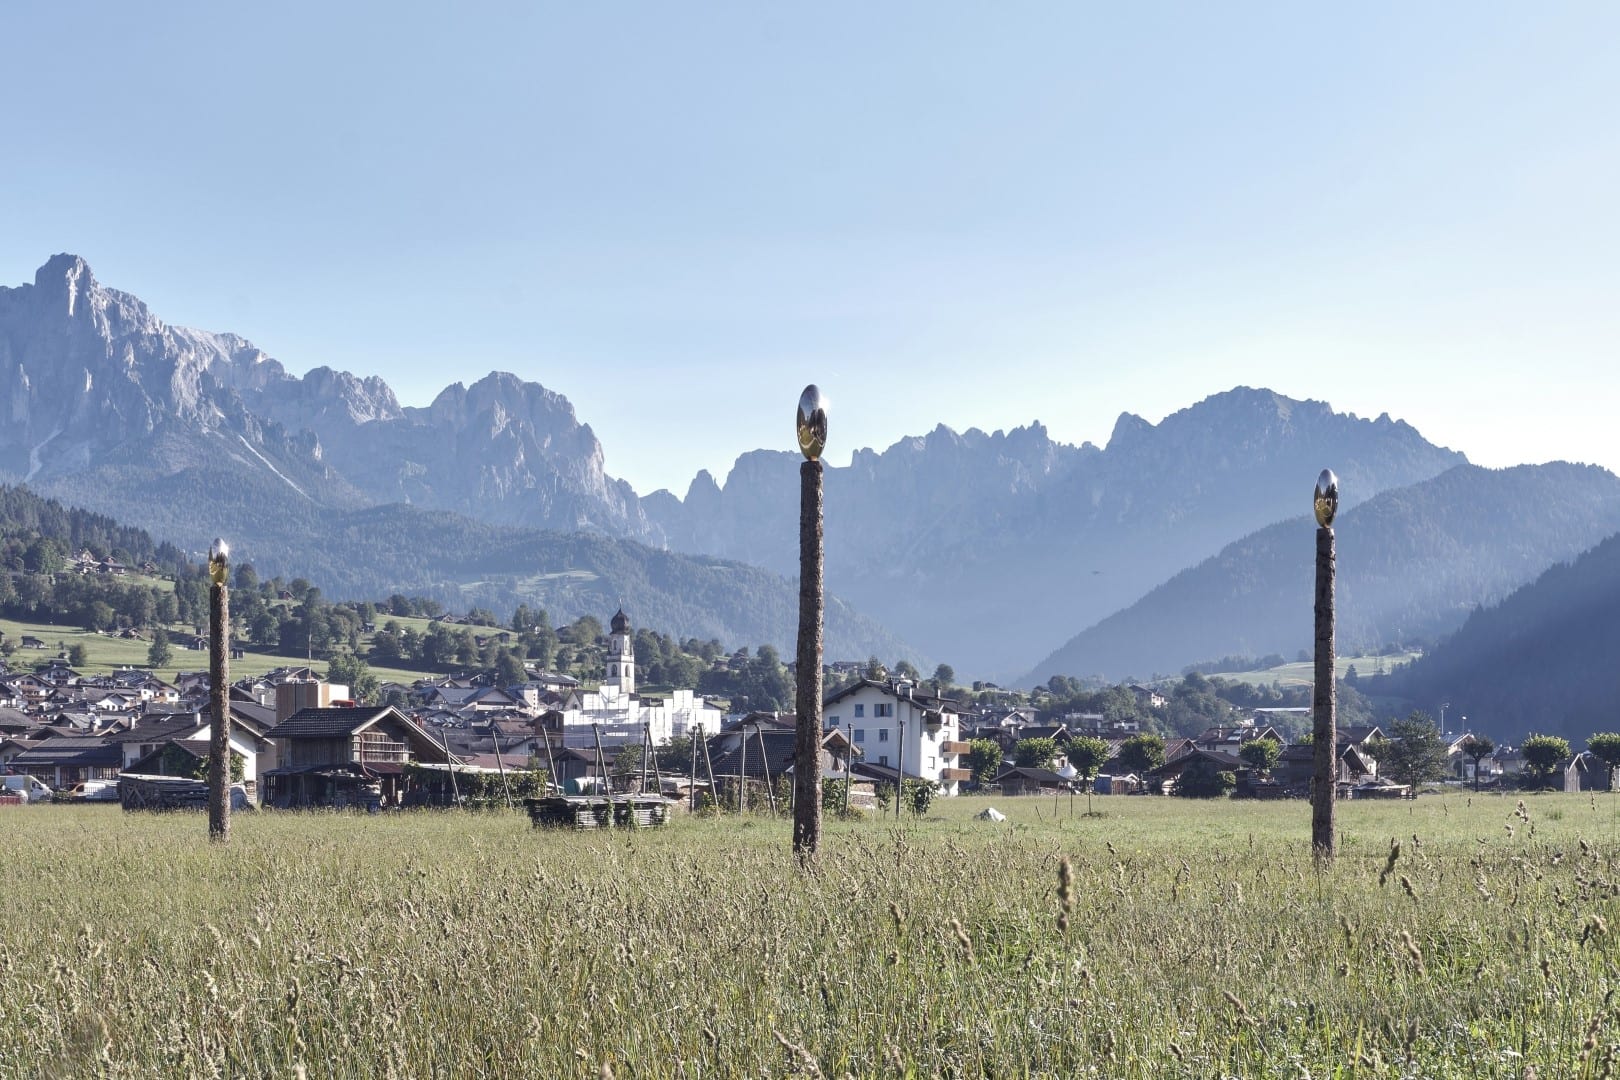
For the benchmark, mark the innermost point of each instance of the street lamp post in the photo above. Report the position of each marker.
(1325, 736)
(810, 422)
(219, 694)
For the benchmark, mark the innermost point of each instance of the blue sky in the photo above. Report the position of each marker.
(982, 215)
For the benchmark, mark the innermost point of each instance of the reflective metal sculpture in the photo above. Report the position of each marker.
(812, 422)
(219, 557)
(1327, 498)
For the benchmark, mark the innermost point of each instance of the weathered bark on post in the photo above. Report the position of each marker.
(219, 695)
(1324, 783)
(807, 672)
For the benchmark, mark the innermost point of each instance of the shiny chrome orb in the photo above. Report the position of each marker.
(812, 422)
(219, 561)
(1327, 498)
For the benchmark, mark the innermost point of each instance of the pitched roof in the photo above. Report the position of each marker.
(326, 723)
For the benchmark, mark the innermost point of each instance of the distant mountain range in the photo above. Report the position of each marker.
(1542, 661)
(992, 549)
(980, 550)
(1412, 563)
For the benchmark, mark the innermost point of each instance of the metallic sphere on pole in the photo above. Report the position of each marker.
(219, 561)
(811, 421)
(1326, 498)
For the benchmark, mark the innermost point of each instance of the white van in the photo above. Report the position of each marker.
(27, 786)
(94, 791)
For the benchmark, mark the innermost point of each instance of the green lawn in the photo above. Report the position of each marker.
(1303, 673)
(107, 654)
(1163, 938)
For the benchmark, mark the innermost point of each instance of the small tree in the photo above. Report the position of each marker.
(984, 759)
(1087, 754)
(1413, 753)
(1605, 746)
(944, 678)
(1260, 754)
(78, 655)
(158, 654)
(347, 669)
(1543, 754)
(1477, 748)
(1141, 753)
(919, 796)
(1035, 753)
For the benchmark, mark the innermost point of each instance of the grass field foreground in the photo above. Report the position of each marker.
(1163, 938)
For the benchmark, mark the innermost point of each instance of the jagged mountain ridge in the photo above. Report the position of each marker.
(90, 377)
(981, 549)
(985, 548)
(1412, 562)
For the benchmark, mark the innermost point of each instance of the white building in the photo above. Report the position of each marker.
(895, 727)
(623, 713)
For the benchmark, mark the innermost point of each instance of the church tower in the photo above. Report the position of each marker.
(621, 658)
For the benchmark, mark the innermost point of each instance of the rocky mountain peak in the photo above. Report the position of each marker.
(62, 280)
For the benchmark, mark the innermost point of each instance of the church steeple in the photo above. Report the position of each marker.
(621, 660)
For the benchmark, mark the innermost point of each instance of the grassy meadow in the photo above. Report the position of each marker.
(1163, 938)
(1303, 672)
(107, 654)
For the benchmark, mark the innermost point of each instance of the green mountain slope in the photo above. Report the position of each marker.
(1542, 660)
(1412, 562)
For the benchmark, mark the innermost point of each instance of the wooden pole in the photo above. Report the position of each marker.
(765, 764)
(807, 665)
(219, 694)
(646, 748)
(449, 767)
(694, 735)
(658, 776)
(849, 761)
(551, 764)
(500, 766)
(742, 773)
(900, 769)
(601, 764)
(1324, 731)
(708, 765)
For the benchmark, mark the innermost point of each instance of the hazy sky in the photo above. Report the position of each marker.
(982, 215)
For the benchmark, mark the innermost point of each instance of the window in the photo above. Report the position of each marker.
(883, 734)
(860, 734)
(860, 710)
(883, 708)
(883, 760)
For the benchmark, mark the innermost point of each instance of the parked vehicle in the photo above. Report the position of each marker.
(94, 791)
(30, 788)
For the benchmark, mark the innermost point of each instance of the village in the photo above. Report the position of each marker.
(298, 740)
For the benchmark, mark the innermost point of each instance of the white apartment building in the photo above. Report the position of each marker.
(894, 726)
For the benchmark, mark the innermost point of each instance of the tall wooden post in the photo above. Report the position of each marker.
(219, 694)
(811, 425)
(1325, 777)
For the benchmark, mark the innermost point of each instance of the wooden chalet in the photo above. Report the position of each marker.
(354, 757)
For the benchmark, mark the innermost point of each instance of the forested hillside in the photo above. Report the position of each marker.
(1543, 660)
(1412, 563)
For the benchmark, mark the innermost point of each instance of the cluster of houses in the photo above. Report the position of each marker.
(297, 741)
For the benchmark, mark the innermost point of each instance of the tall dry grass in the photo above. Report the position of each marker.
(1164, 938)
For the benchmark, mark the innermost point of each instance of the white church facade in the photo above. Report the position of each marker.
(623, 715)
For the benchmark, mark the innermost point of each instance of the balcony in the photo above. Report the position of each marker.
(948, 775)
(958, 748)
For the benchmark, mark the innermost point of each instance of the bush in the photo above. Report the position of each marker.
(919, 795)
(1202, 780)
